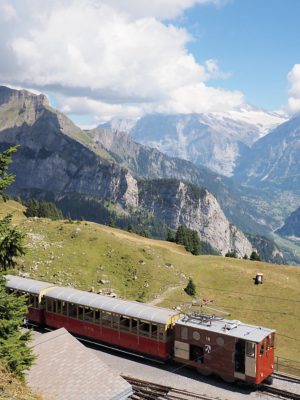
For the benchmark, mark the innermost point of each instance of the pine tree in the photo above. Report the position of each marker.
(254, 256)
(190, 288)
(14, 352)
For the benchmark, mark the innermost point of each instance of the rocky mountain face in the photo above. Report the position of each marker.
(49, 160)
(274, 160)
(177, 203)
(144, 161)
(214, 140)
(291, 226)
(58, 161)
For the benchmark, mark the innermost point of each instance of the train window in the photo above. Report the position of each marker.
(262, 347)
(250, 349)
(48, 304)
(64, 308)
(89, 315)
(154, 331)
(269, 342)
(115, 321)
(134, 325)
(162, 333)
(144, 328)
(170, 331)
(72, 310)
(57, 306)
(124, 323)
(80, 312)
(106, 318)
(98, 317)
(31, 301)
(184, 333)
(196, 335)
(220, 341)
(197, 354)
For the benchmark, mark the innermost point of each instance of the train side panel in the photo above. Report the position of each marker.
(141, 344)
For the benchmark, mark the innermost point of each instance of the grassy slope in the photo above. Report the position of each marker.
(137, 268)
(11, 388)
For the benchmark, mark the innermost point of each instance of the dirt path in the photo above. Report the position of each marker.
(163, 295)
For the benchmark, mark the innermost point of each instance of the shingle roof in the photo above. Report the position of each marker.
(26, 285)
(66, 370)
(123, 307)
(226, 327)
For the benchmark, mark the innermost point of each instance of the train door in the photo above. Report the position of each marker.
(239, 358)
(250, 363)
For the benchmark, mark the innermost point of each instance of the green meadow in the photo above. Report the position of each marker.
(94, 257)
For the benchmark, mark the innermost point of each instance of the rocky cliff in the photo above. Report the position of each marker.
(147, 162)
(177, 203)
(50, 160)
(57, 160)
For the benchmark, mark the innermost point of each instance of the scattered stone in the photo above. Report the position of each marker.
(103, 281)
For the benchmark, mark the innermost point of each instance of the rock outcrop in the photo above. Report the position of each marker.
(177, 203)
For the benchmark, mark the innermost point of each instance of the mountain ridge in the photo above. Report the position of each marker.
(51, 162)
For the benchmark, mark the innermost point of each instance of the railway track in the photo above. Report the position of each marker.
(279, 392)
(289, 381)
(144, 390)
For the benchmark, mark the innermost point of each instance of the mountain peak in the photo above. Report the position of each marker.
(8, 95)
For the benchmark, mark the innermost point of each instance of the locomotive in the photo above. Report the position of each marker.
(233, 350)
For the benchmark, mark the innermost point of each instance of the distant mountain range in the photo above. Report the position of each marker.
(215, 140)
(274, 160)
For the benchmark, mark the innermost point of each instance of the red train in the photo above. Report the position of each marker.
(231, 349)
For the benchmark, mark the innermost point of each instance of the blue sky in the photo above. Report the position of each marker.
(100, 59)
(257, 41)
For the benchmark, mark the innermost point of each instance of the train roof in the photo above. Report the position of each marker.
(129, 308)
(226, 327)
(26, 285)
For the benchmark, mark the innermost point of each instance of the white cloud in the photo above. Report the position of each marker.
(7, 11)
(161, 9)
(110, 57)
(294, 92)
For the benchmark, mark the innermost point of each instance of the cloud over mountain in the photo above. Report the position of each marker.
(294, 92)
(110, 57)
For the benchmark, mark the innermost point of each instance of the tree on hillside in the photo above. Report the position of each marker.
(190, 288)
(254, 256)
(231, 254)
(189, 238)
(14, 352)
(42, 209)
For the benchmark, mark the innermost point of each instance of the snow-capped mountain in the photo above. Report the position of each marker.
(274, 160)
(215, 140)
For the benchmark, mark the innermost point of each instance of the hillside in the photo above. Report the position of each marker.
(82, 253)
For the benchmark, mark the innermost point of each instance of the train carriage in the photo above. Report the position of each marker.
(230, 349)
(130, 325)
